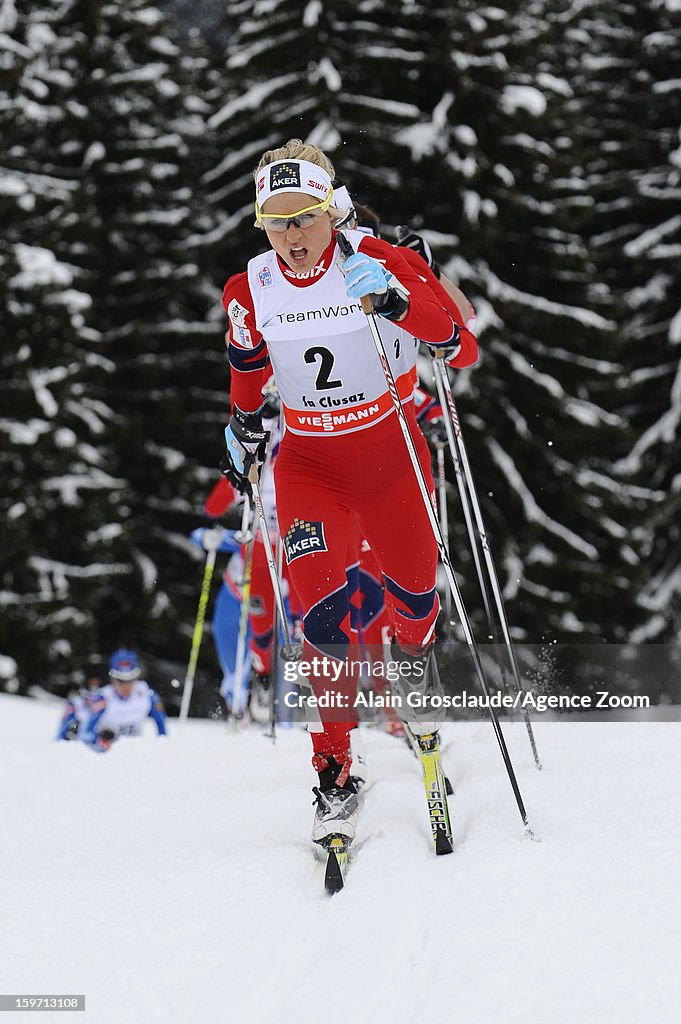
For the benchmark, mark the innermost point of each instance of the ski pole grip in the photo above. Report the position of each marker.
(345, 246)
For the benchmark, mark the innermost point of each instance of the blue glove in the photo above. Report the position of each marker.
(214, 539)
(365, 276)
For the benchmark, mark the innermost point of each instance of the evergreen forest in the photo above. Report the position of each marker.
(536, 145)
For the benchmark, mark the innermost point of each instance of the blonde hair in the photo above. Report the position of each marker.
(296, 149)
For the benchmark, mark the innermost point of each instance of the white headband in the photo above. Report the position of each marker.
(341, 198)
(291, 176)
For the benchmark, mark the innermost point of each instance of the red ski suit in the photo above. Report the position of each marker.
(342, 459)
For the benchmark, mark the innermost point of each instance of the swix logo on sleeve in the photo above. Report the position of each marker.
(303, 538)
(237, 313)
(237, 320)
(284, 175)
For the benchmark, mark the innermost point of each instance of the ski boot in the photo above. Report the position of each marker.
(259, 698)
(336, 805)
(335, 818)
(420, 691)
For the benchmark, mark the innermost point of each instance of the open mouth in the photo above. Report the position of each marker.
(298, 254)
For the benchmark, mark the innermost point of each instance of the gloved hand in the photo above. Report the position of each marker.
(104, 739)
(271, 404)
(209, 538)
(447, 349)
(410, 240)
(246, 441)
(238, 481)
(366, 276)
(437, 435)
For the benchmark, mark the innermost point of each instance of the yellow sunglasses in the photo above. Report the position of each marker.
(302, 218)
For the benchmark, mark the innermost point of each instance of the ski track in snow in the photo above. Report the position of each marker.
(172, 881)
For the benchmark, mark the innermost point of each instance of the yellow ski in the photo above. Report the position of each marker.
(436, 793)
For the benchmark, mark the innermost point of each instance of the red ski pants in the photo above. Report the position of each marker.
(330, 487)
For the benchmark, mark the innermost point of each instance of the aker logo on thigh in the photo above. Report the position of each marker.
(303, 538)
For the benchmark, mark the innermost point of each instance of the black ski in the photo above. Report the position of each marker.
(337, 854)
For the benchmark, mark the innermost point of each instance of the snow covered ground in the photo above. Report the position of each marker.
(171, 880)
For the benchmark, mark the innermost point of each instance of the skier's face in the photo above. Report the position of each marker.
(299, 247)
(123, 688)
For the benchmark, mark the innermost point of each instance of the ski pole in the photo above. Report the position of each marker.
(289, 649)
(347, 250)
(466, 489)
(444, 519)
(470, 529)
(274, 653)
(245, 536)
(197, 634)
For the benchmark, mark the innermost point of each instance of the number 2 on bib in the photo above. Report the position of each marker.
(323, 382)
